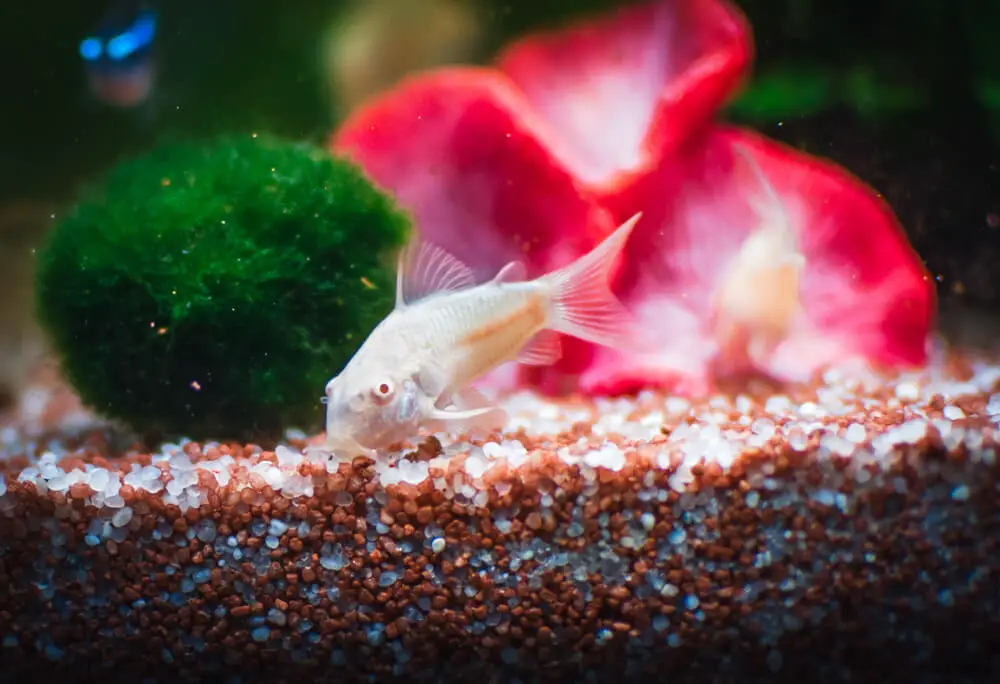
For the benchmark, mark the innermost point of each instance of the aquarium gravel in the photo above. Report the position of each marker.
(844, 530)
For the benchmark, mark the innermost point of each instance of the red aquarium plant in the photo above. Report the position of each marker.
(750, 256)
(756, 258)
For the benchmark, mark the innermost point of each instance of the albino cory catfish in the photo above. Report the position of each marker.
(415, 368)
(757, 299)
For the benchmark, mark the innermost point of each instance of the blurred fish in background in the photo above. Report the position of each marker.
(119, 54)
(376, 42)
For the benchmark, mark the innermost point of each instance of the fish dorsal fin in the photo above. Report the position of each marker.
(766, 203)
(512, 272)
(543, 349)
(424, 269)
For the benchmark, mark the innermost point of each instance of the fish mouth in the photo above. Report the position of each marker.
(347, 446)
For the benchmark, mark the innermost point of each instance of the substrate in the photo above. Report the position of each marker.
(848, 530)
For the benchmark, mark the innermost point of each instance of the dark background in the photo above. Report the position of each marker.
(906, 94)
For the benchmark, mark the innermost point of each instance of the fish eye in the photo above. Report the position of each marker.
(383, 392)
(90, 49)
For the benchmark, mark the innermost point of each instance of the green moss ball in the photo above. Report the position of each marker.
(210, 290)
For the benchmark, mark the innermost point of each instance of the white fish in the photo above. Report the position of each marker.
(758, 298)
(415, 368)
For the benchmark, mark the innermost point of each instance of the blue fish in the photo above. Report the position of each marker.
(118, 55)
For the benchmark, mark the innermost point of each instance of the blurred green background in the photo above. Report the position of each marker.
(905, 94)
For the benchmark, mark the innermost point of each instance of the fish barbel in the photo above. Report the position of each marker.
(416, 367)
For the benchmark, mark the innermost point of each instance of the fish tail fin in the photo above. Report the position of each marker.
(582, 301)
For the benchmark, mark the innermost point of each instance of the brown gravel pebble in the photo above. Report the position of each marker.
(837, 531)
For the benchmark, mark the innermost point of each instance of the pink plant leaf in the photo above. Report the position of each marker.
(863, 293)
(618, 92)
(457, 149)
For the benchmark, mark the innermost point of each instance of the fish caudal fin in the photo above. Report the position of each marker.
(583, 304)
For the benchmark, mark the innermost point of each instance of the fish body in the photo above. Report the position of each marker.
(758, 298)
(118, 55)
(476, 329)
(446, 331)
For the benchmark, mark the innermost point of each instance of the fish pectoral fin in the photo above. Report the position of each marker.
(471, 398)
(485, 418)
(459, 414)
(424, 268)
(543, 349)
